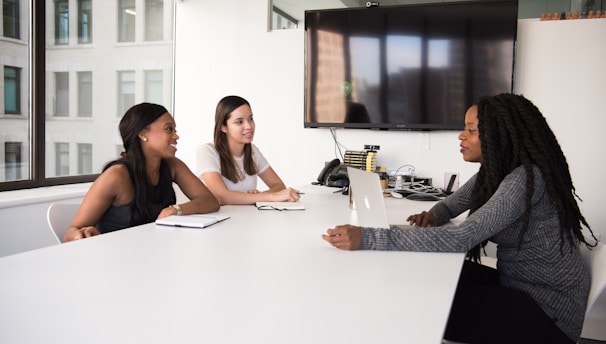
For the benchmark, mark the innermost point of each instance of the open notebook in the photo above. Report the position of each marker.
(280, 206)
(192, 221)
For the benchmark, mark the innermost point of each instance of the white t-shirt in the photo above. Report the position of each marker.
(208, 160)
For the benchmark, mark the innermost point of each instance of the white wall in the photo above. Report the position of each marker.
(223, 47)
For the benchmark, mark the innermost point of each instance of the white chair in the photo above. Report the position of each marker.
(59, 217)
(595, 315)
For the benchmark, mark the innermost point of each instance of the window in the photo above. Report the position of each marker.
(61, 22)
(127, 16)
(61, 94)
(85, 158)
(12, 90)
(126, 91)
(61, 159)
(12, 160)
(282, 20)
(85, 94)
(10, 18)
(85, 21)
(153, 86)
(78, 91)
(154, 14)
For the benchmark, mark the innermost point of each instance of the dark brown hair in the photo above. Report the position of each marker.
(229, 169)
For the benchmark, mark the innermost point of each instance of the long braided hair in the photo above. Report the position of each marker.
(514, 133)
(137, 118)
(229, 169)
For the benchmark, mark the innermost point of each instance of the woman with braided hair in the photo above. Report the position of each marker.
(523, 200)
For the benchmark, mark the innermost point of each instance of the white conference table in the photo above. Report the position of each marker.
(262, 276)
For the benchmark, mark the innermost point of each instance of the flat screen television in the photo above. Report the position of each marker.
(406, 67)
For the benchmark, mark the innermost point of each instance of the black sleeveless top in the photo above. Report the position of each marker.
(160, 197)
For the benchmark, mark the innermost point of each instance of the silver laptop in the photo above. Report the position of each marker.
(192, 221)
(367, 197)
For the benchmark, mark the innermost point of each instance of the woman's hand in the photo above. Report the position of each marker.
(166, 212)
(345, 237)
(424, 219)
(288, 194)
(81, 233)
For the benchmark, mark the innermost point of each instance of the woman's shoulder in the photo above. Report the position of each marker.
(255, 150)
(208, 146)
(115, 176)
(208, 149)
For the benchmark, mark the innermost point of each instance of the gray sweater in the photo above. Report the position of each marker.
(555, 278)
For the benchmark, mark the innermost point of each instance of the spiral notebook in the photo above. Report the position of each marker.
(192, 221)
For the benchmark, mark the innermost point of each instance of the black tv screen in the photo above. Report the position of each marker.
(406, 67)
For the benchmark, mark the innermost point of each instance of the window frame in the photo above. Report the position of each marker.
(85, 21)
(36, 114)
(17, 83)
(16, 20)
(59, 19)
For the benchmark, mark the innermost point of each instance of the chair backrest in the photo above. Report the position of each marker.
(60, 216)
(595, 260)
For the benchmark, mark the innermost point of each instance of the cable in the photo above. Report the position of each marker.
(411, 169)
(338, 145)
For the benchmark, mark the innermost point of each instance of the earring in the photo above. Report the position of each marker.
(145, 139)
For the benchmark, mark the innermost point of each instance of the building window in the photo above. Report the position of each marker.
(281, 20)
(61, 94)
(153, 86)
(85, 94)
(126, 20)
(61, 159)
(126, 91)
(10, 18)
(85, 21)
(154, 20)
(85, 158)
(70, 115)
(12, 161)
(61, 22)
(12, 90)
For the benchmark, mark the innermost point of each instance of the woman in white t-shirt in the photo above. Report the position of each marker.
(230, 166)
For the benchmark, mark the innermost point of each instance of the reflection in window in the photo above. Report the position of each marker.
(154, 20)
(404, 60)
(85, 21)
(126, 21)
(61, 159)
(330, 92)
(126, 91)
(439, 53)
(12, 161)
(10, 18)
(61, 94)
(153, 86)
(12, 90)
(61, 22)
(85, 158)
(403, 52)
(85, 94)
(366, 72)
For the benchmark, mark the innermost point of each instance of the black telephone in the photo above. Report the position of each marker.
(334, 174)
